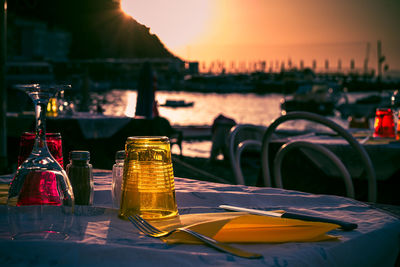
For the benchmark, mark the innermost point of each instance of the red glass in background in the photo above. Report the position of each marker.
(384, 123)
(398, 128)
(53, 141)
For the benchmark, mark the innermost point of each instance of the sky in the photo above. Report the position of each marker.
(243, 31)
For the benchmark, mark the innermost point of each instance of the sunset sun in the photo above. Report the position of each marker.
(175, 22)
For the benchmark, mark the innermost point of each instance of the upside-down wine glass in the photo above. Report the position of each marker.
(40, 180)
(40, 198)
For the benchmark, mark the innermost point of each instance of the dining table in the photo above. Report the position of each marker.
(89, 125)
(87, 131)
(98, 237)
(384, 152)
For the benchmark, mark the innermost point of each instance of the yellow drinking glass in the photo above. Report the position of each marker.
(148, 187)
(52, 107)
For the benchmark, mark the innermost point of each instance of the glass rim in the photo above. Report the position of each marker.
(148, 138)
(27, 134)
(383, 110)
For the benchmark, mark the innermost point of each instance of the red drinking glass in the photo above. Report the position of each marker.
(384, 123)
(53, 141)
(398, 128)
(40, 189)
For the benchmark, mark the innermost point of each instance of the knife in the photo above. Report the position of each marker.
(346, 226)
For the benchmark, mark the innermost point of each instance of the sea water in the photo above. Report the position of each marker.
(243, 108)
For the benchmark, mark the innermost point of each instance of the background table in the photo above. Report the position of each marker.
(384, 155)
(86, 131)
(102, 239)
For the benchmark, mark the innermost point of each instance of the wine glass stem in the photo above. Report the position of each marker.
(40, 113)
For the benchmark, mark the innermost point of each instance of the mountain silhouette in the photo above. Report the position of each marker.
(99, 28)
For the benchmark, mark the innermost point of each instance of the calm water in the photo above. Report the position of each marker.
(243, 108)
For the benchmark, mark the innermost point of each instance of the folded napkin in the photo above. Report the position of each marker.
(240, 227)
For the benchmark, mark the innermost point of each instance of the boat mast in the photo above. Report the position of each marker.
(381, 59)
(366, 60)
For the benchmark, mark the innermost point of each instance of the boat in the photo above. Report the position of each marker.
(316, 97)
(366, 106)
(177, 104)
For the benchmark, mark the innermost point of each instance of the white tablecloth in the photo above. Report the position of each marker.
(99, 238)
(95, 126)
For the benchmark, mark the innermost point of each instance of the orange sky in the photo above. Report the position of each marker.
(274, 30)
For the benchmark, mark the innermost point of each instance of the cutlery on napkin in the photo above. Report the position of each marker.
(242, 227)
(343, 225)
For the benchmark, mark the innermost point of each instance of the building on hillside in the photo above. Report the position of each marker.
(33, 40)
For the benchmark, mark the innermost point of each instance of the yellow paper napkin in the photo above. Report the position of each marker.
(245, 228)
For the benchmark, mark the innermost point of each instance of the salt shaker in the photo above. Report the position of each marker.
(79, 172)
(117, 173)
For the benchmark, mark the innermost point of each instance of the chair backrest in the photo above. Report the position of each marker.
(241, 137)
(318, 148)
(370, 173)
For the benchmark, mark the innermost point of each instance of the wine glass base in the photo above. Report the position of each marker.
(40, 222)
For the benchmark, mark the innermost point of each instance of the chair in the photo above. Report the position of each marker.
(252, 140)
(243, 137)
(318, 148)
(220, 129)
(370, 173)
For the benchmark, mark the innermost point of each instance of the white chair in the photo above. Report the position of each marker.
(242, 137)
(249, 137)
(319, 148)
(370, 173)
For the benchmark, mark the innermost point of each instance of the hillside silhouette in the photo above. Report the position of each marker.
(99, 28)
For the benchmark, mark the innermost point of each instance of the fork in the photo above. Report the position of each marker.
(152, 231)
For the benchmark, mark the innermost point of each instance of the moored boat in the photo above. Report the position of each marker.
(366, 106)
(317, 97)
(177, 103)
